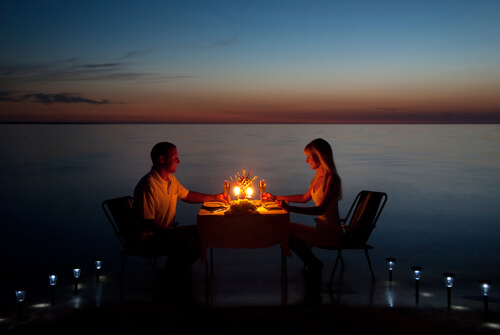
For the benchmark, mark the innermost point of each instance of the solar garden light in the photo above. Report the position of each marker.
(448, 280)
(390, 262)
(417, 272)
(485, 286)
(98, 265)
(20, 295)
(76, 274)
(52, 282)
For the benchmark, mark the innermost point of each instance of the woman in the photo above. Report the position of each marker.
(326, 190)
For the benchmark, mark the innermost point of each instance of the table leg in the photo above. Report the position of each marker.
(211, 260)
(284, 270)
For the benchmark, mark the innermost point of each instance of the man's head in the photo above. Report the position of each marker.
(164, 155)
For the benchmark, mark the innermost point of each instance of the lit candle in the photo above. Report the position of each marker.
(249, 192)
(236, 191)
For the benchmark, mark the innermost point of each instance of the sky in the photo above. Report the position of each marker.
(272, 61)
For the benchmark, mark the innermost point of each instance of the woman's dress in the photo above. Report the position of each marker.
(328, 230)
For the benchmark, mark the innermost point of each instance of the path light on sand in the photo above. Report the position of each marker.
(390, 262)
(76, 274)
(417, 272)
(20, 296)
(448, 280)
(485, 287)
(98, 266)
(52, 282)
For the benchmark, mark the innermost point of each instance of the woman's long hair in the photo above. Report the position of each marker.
(323, 151)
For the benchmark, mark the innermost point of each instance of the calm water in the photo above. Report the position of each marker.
(443, 183)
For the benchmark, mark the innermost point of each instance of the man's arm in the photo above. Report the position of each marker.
(197, 198)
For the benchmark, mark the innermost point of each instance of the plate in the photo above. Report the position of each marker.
(270, 206)
(213, 204)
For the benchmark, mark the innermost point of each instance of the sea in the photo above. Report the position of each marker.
(442, 182)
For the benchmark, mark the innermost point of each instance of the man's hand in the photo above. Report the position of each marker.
(222, 197)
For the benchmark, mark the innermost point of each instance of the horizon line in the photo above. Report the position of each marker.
(249, 123)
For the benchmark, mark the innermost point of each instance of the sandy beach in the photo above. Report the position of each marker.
(239, 300)
(143, 318)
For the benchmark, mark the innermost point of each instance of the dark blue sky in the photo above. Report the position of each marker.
(257, 61)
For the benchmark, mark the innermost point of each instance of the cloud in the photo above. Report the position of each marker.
(51, 98)
(207, 44)
(73, 69)
(6, 96)
(135, 53)
(61, 98)
(221, 43)
(91, 66)
(204, 44)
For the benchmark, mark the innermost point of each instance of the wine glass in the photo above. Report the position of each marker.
(226, 186)
(262, 186)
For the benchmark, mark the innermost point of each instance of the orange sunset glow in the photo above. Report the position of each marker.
(229, 63)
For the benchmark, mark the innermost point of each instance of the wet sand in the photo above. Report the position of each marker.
(247, 296)
(144, 318)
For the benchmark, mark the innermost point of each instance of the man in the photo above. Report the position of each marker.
(155, 200)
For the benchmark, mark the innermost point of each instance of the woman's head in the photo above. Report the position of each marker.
(320, 150)
(321, 153)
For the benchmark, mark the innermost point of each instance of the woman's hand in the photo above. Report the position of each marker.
(283, 205)
(267, 197)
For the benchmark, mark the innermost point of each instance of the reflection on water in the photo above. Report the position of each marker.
(98, 294)
(442, 183)
(77, 301)
(389, 294)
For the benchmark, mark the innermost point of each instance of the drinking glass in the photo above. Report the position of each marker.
(262, 186)
(226, 186)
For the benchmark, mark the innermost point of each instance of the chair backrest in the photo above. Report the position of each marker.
(120, 214)
(363, 216)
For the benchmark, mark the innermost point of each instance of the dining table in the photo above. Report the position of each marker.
(222, 226)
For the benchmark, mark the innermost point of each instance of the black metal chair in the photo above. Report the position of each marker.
(120, 214)
(358, 226)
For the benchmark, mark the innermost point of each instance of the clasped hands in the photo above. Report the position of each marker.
(223, 197)
(281, 203)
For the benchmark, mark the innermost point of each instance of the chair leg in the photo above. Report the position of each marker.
(122, 284)
(152, 261)
(207, 286)
(206, 270)
(369, 264)
(122, 269)
(339, 256)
